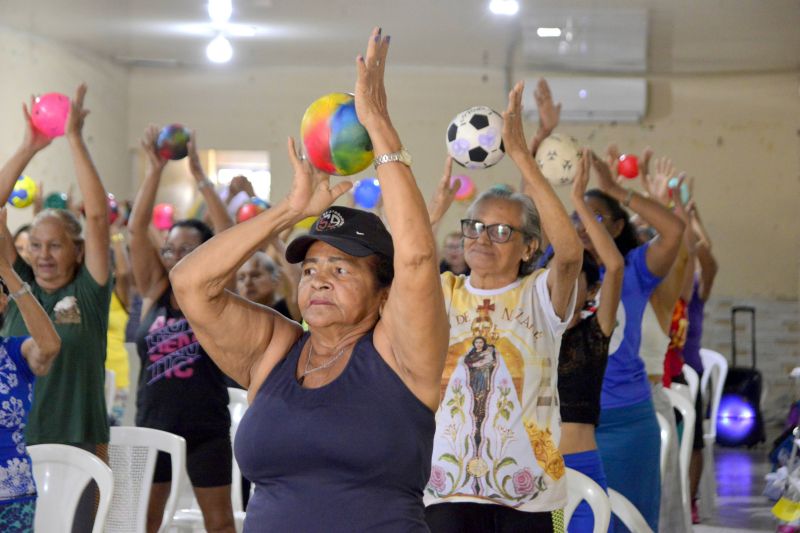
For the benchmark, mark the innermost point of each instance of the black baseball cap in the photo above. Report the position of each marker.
(353, 231)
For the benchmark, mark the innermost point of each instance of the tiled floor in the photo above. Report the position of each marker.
(740, 481)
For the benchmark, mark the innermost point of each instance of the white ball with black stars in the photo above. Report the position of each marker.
(475, 138)
(558, 156)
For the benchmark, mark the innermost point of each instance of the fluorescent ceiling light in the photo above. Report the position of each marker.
(504, 7)
(241, 30)
(548, 32)
(219, 50)
(220, 10)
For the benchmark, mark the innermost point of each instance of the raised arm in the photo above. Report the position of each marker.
(414, 320)
(220, 219)
(42, 348)
(32, 143)
(245, 339)
(443, 196)
(604, 246)
(149, 273)
(664, 247)
(567, 249)
(7, 248)
(95, 204)
(122, 264)
(705, 258)
(549, 114)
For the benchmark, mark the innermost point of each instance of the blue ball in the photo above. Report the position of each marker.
(367, 192)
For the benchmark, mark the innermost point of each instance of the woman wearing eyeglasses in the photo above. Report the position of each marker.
(180, 388)
(496, 464)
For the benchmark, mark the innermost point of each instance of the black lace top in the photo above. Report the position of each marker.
(581, 366)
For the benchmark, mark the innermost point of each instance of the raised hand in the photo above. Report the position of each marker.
(34, 139)
(370, 91)
(549, 113)
(77, 114)
(612, 159)
(657, 184)
(148, 143)
(605, 179)
(444, 195)
(311, 191)
(195, 166)
(581, 182)
(513, 132)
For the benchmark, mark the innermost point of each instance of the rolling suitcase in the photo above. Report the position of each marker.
(739, 421)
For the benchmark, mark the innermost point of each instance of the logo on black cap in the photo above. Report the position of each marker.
(330, 220)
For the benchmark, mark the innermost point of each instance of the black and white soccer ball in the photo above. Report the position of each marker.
(558, 157)
(475, 138)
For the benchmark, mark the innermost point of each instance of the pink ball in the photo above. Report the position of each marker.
(163, 216)
(467, 188)
(49, 114)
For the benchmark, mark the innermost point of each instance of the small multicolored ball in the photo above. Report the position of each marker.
(335, 142)
(24, 192)
(172, 142)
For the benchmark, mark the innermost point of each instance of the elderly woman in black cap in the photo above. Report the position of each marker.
(339, 431)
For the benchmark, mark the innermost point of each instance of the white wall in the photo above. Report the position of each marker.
(33, 65)
(736, 134)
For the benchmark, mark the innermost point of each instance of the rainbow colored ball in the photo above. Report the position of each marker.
(335, 141)
(172, 142)
(24, 192)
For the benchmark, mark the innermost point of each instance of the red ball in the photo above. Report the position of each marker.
(248, 211)
(628, 166)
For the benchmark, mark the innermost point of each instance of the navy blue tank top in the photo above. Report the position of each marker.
(352, 455)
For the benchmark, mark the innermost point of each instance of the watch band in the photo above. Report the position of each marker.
(22, 291)
(400, 156)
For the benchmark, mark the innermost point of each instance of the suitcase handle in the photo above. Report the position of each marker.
(752, 312)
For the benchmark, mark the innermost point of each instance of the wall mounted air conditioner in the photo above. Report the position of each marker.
(594, 99)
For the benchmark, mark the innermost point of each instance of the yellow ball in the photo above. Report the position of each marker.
(24, 192)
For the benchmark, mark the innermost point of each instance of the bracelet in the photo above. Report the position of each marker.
(627, 201)
(205, 183)
(25, 289)
(118, 237)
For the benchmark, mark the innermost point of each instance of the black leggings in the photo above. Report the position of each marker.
(489, 518)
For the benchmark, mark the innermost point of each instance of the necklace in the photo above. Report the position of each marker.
(324, 365)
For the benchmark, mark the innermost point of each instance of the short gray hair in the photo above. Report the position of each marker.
(67, 220)
(531, 227)
(265, 261)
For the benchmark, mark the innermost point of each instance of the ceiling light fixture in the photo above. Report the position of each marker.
(219, 50)
(548, 32)
(220, 10)
(504, 7)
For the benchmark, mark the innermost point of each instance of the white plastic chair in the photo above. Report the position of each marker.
(715, 371)
(132, 453)
(191, 518)
(581, 487)
(686, 409)
(628, 513)
(110, 389)
(692, 379)
(666, 440)
(61, 473)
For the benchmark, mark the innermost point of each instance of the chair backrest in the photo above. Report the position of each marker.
(581, 487)
(61, 473)
(132, 453)
(110, 389)
(237, 405)
(715, 371)
(666, 439)
(627, 513)
(687, 411)
(683, 390)
(692, 379)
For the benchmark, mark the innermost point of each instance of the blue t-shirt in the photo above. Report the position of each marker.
(625, 382)
(16, 393)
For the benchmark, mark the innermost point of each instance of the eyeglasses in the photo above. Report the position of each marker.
(499, 233)
(168, 252)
